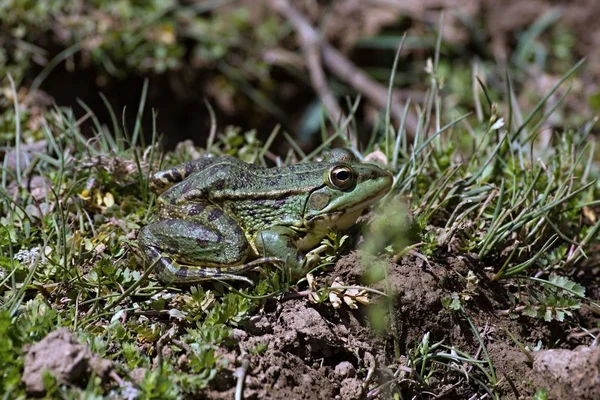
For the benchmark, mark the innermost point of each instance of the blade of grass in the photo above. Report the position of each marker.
(388, 108)
(18, 153)
(138, 119)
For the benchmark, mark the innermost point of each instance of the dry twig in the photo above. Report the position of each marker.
(339, 65)
(311, 43)
(240, 374)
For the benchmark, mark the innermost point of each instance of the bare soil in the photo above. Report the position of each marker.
(316, 352)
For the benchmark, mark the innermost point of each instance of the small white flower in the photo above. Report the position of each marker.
(27, 257)
(497, 125)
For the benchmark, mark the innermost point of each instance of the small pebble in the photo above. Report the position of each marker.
(345, 370)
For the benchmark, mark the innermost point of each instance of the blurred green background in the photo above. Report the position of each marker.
(245, 58)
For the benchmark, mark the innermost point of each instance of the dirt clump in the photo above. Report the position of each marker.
(419, 288)
(303, 351)
(567, 374)
(422, 291)
(63, 357)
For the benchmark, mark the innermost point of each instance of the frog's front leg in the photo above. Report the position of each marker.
(279, 242)
(207, 244)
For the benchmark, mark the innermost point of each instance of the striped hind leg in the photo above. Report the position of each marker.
(204, 244)
(170, 271)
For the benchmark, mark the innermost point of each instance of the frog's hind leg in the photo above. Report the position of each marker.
(207, 245)
(170, 271)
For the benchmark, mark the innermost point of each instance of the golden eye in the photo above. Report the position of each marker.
(341, 177)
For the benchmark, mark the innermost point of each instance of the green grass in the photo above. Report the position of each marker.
(68, 255)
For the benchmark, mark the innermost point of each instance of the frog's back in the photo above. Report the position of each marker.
(264, 197)
(162, 180)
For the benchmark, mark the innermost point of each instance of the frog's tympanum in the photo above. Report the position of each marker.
(216, 215)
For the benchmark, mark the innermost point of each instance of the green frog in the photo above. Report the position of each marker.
(219, 217)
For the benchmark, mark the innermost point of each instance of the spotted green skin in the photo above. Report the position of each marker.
(216, 215)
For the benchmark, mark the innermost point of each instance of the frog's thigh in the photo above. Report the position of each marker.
(208, 239)
(278, 242)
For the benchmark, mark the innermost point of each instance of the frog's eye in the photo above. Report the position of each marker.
(341, 177)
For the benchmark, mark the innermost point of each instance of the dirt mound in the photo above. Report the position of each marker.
(302, 351)
(62, 356)
(295, 349)
(422, 303)
(570, 374)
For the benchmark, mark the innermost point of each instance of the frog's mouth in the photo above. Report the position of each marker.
(342, 219)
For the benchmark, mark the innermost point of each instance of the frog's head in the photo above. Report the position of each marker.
(349, 187)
